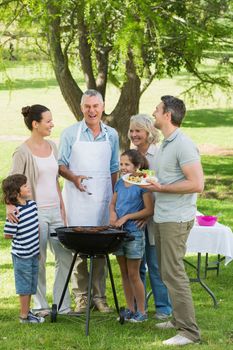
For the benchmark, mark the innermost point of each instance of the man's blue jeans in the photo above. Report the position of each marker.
(159, 290)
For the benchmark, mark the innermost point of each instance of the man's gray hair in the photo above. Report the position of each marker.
(92, 92)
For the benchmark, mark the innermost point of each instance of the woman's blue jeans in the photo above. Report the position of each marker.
(159, 290)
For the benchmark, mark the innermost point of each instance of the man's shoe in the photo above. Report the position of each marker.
(161, 316)
(102, 306)
(81, 305)
(178, 340)
(165, 325)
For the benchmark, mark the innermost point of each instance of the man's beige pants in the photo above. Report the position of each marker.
(170, 238)
(80, 276)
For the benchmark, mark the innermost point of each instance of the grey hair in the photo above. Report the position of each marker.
(92, 92)
(145, 122)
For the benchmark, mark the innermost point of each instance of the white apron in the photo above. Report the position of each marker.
(89, 159)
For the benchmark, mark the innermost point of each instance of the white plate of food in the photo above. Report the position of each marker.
(138, 178)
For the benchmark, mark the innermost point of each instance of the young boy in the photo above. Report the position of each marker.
(25, 242)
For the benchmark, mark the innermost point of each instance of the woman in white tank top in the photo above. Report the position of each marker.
(37, 159)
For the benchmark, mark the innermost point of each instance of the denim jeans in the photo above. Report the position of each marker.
(26, 274)
(133, 249)
(159, 290)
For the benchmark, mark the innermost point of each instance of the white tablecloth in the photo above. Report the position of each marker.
(217, 239)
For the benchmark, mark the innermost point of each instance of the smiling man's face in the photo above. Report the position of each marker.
(92, 108)
(159, 115)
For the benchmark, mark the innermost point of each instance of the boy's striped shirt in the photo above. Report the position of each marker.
(25, 232)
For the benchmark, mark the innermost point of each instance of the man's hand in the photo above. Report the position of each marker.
(65, 172)
(78, 182)
(153, 186)
(11, 212)
(141, 223)
(193, 181)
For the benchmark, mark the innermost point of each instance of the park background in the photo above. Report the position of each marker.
(209, 122)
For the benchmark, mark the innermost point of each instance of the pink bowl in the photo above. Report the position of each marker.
(206, 220)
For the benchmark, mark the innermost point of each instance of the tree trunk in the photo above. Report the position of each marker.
(127, 105)
(69, 88)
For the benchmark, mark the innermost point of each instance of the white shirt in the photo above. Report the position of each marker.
(46, 188)
(151, 155)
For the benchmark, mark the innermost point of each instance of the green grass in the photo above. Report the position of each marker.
(210, 126)
(208, 122)
(105, 332)
(217, 197)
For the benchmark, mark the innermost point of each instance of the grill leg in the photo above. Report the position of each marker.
(112, 283)
(89, 295)
(67, 281)
(148, 295)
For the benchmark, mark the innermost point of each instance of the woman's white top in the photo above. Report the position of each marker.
(151, 155)
(46, 188)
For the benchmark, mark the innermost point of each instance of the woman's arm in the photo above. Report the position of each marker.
(62, 206)
(11, 213)
(146, 212)
(18, 166)
(8, 236)
(113, 215)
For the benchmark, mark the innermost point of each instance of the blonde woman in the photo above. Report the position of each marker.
(145, 138)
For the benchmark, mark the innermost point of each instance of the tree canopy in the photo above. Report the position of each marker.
(128, 43)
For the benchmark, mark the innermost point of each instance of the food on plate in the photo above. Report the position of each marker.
(139, 176)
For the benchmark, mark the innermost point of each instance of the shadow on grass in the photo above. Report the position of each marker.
(209, 118)
(217, 167)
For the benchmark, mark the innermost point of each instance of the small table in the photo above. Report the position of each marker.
(217, 239)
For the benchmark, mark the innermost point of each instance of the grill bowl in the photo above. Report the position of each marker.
(91, 241)
(204, 220)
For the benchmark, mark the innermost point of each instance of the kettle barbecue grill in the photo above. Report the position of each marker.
(90, 241)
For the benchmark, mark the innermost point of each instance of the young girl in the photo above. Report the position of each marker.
(25, 242)
(130, 203)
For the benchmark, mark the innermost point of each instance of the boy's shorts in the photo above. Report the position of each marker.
(133, 249)
(26, 274)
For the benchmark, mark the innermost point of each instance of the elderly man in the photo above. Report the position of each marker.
(180, 178)
(88, 160)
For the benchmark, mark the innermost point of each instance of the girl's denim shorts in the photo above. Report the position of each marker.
(133, 249)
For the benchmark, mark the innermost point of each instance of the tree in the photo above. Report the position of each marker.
(126, 43)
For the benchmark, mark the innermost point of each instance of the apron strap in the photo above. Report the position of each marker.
(102, 128)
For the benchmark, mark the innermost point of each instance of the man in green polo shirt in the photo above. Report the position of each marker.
(180, 178)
